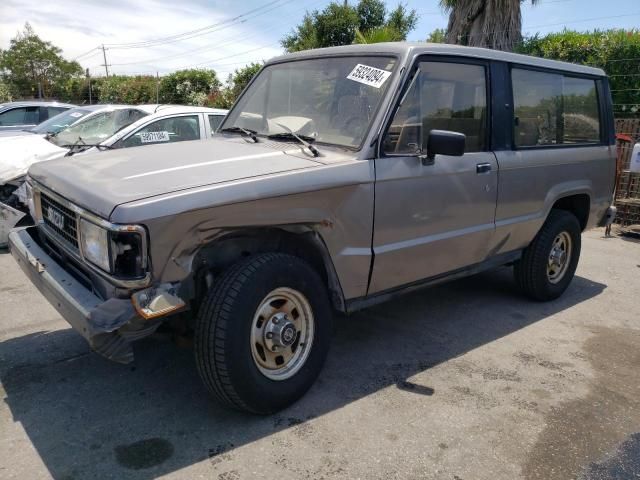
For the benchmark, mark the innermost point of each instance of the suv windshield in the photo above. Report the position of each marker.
(61, 121)
(97, 128)
(330, 99)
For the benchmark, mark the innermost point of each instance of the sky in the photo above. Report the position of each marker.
(225, 34)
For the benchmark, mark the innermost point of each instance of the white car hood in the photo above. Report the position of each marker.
(17, 154)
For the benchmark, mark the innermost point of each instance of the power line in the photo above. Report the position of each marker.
(216, 46)
(201, 31)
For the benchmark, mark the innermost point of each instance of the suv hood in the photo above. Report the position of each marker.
(101, 181)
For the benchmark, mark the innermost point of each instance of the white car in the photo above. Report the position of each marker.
(54, 124)
(115, 126)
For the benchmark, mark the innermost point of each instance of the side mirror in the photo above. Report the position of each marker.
(443, 142)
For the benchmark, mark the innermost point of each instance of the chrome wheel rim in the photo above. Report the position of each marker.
(559, 257)
(282, 333)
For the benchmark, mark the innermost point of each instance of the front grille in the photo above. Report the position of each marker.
(60, 220)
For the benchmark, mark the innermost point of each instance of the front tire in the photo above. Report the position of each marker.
(263, 333)
(549, 263)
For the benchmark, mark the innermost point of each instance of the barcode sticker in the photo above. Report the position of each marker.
(152, 137)
(374, 77)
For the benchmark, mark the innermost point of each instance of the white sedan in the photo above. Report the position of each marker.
(115, 126)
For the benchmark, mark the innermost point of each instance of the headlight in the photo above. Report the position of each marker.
(94, 242)
(29, 198)
(119, 252)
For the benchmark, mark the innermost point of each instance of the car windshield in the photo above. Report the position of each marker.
(61, 121)
(330, 100)
(97, 128)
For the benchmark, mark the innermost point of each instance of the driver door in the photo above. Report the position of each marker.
(431, 219)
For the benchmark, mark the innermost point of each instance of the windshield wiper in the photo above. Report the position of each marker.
(78, 144)
(247, 131)
(290, 134)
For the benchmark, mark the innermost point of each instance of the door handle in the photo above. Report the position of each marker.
(483, 168)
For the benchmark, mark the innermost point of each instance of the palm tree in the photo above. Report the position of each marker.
(378, 35)
(485, 23)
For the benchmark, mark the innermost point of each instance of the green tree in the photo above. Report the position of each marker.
(189, 87)
(338, 23)
(378, 35)
(439, 35)
(371, 14)
(402, 20)
(34, 67)
(5, 92)
(241, 78)
(236, 83)
(493, 24)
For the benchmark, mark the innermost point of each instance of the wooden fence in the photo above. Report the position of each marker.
(628, 191)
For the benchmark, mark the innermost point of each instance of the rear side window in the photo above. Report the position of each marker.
(554, 109)
(166, 130)
(214, 122)
(442, 96)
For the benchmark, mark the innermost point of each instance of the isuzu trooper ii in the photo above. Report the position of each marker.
(341, 178)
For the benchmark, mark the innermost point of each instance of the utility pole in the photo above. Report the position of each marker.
(157, 88)
(89, 80)
(106, 66)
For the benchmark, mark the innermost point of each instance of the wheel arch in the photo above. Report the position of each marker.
(302, 241)
(579, 204)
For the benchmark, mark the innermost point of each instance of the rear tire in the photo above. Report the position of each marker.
(263, 333)
(549, 263)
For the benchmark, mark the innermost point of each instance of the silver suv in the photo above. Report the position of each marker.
(341, 178)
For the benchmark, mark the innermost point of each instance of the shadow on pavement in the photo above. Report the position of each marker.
(86, 416)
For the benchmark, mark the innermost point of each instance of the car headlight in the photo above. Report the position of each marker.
(120, 251)
(29, 198)
(94, 242)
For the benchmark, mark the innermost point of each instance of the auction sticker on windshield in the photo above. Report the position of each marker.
(152, 137)
(371, 76)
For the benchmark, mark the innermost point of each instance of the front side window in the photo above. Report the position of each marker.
(97, 128)
(330, 99)
(554, 109)
(441, 96)
(19, 116)
(166, 130)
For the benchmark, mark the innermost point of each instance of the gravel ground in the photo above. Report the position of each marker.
(464, 381)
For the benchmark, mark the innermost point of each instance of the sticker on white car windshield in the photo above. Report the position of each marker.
(75, 114)
(152, 137)
(371, 76)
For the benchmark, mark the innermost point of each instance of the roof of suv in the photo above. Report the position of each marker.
(403, 49)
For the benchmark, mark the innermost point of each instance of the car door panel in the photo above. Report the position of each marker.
(435, 218)
(431, 219)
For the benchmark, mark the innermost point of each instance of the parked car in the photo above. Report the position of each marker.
(105, 127)
(341, 178)
(54, 124)
(27, 114)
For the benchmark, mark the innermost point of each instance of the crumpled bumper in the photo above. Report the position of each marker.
(109, 326)
(9, 218)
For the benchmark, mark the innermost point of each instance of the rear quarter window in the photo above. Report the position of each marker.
(554, 109)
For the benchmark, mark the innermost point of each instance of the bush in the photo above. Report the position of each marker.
(188, 87)
(122, 89)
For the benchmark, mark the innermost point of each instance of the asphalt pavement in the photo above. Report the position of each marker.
(464, 381)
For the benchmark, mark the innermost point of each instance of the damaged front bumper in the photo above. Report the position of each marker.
(109, 326)
(9, 218)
